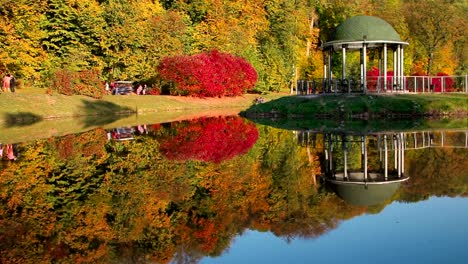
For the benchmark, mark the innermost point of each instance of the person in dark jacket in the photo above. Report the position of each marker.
(12, 83)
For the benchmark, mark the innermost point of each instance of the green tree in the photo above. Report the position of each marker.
(168, 35)
(436, 24)
(127, 32)
(285, 41)
(73, 32)
(332, 13)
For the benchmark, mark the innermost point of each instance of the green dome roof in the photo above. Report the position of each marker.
(366, 195)
(373, 28)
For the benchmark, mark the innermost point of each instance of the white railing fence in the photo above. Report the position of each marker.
(378, 84)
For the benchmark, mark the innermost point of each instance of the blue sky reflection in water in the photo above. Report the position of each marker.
(431, 231)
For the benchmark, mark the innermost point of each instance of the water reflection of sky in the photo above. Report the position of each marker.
(227, 153)
(431, 231)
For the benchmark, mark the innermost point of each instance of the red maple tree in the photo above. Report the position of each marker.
(211, 139)
(209, 74)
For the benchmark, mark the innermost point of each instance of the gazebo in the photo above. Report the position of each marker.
(363, 186)
(364, 33)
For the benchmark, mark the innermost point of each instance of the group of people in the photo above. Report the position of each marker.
(140, 90)
(10, 150)
(127, 133)
(9, 83)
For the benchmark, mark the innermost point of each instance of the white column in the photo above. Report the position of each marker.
(345, 159)
(399, 66)
(402, 68)
(403, 153)
(324, 71)
(343, 69)
(385, 66)
(385, 157)
(399, 144)
(364, 146)
(361, 68)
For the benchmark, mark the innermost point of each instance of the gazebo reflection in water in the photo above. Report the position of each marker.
(347, 166)
(367, 169)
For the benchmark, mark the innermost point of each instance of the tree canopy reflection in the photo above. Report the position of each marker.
(209, 139)
(84, 198)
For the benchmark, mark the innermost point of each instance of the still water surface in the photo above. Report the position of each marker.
(226, 190)
(431, 231)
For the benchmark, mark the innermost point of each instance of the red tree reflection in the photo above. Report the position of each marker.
(212, 139)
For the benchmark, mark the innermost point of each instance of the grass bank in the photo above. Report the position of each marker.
(345, 107)
(16, 107)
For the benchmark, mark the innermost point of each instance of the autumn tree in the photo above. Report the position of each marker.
(332, 13)
(167, 36)
(209, 74)
(283, 43)
(436, 24)
(127, 36)
(20, 35)
(72, 32)
(447, 163)
(210, 139)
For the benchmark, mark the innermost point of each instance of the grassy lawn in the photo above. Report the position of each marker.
(348, 106)
(35, 104)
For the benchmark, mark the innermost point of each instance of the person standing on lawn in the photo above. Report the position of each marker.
(6, 83)
(12, 83)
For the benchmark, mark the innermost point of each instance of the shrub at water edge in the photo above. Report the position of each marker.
(212, 139)
(208, 74)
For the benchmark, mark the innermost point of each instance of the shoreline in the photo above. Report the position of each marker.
(23, 108)
(20, 107)
(363, 107)
(44, 116)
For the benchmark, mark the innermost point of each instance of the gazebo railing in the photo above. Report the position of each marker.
(378, 84)
(324, 86)
(443, 84)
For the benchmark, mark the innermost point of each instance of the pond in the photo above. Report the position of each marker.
(227, 190)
